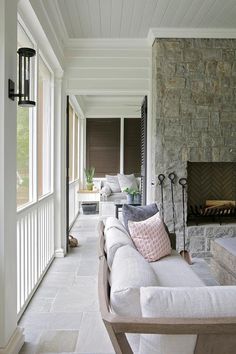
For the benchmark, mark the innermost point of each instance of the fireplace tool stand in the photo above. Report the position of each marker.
(161, 178)
(172, 177)
(184, 253)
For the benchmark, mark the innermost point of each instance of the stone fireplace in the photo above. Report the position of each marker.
(194, 121)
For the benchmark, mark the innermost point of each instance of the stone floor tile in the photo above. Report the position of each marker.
(87, 268)
(57, 342)
(93, 337)
(80, 296)
(57, 321)
(40, 305)
(47, 292)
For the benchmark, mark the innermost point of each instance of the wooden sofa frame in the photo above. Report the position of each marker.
(214, 335)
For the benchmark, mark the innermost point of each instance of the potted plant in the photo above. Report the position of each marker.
(137, 197)
(130, 195)
(89, 174)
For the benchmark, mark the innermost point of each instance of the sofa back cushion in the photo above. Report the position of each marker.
(150, 238)
(129, 272)
(116, 236)
(198, 302)
(127, 181)
(138, 213)
(113, 183)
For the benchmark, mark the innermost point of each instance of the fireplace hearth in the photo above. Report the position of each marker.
(211, 192)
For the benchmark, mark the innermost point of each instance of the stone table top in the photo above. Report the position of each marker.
(228, 243)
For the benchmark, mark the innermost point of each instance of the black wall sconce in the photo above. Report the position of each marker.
(24, 79)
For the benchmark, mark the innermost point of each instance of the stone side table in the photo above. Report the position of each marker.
(223, 262)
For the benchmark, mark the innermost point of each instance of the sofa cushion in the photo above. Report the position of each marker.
(174, 271)
(138, 213)
(113, 183)
(116, 236)
(129, 272)
(127, 181)
(199, 302)
(150, 238)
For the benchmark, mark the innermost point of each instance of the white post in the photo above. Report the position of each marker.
(11, 337)
(59, 167)
(122, 123)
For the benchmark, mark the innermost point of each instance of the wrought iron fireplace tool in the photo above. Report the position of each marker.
(184, 253)
(172, 178)
(161, 178)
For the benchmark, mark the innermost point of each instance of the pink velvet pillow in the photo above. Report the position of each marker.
(150, 238)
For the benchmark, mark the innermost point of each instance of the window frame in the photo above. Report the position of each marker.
(75, 113)
(40, 55)
(33, 129)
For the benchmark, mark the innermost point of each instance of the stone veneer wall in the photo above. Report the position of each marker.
(194, 119)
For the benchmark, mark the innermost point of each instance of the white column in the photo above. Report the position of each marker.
(122, 123)
(59, 167)
(11, 337)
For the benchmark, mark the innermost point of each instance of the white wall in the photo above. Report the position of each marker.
(8, 56)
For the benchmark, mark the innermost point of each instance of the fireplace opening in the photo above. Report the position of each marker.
(211, 195)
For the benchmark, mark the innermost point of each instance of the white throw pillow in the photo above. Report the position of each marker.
(150, 238)
(116, 236)
(129, 272)
(127, 181)
(113, 183)
(198, 302)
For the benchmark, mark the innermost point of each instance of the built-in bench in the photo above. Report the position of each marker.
(223, 263)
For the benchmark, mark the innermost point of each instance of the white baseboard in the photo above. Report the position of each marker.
(15, 343)
(59, 253)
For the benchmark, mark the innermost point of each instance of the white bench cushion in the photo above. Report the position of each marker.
(188, 302)
(129, 272)
(174, 271)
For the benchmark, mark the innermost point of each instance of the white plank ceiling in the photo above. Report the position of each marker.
(134, 18)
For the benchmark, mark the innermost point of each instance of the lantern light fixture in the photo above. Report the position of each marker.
(25, 55)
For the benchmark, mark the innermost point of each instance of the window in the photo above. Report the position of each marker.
(103, 145)
(35, 133)
(132, 146)
(44, 129)
(24, 178)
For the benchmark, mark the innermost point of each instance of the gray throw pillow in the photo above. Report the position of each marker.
(113, 183)
(138, 213)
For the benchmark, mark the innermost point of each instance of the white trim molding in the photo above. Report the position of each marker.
(100, 43)
(15, 343)
(171, 32)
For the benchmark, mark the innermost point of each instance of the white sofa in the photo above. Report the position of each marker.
(164, 301)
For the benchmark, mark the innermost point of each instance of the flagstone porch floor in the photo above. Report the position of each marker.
(63, 316)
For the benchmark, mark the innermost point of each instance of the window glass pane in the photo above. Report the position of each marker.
(76, 146)
(71, 143)
(24, 138)
(44, 129)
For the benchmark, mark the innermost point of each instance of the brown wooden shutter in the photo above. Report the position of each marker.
(144, 149)
(103, 145)
(132, 146)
